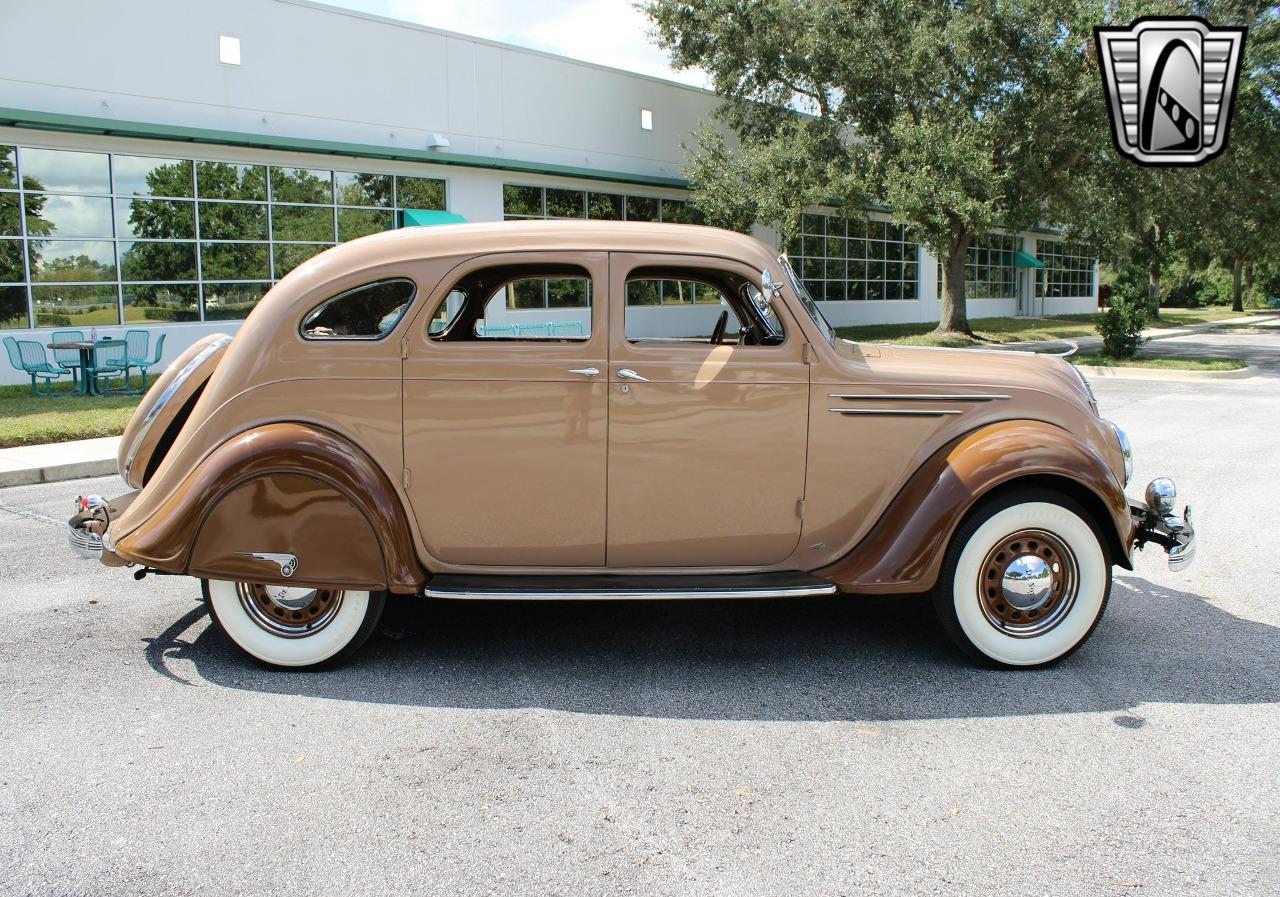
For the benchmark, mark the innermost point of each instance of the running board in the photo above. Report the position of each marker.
(603, 587)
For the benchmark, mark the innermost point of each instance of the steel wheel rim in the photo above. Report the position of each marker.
(289, 612)
(1010, 583)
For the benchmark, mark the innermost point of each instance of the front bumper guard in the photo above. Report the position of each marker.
(1176, 536)
(87, 530)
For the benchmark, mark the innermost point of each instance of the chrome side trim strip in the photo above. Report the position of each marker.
(633, 594)
(912, 412)
(131, 455)
(918, 397)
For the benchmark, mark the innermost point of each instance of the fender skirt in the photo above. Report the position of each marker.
(903, 552)
(279, 490)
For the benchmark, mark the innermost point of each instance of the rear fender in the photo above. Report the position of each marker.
(279, 491)
(904, 550)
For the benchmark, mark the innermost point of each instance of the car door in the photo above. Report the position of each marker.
(505, 411)
(707, 442)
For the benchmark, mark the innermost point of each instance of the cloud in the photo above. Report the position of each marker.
(607, 32)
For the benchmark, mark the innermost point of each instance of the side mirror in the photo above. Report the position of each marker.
(771, 286)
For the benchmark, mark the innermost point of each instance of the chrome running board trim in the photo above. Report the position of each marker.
(463, 594)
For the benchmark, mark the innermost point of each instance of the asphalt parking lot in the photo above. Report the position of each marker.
(819, 747)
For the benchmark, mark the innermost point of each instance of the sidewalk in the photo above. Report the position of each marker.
(28, 464)
(1151, 333)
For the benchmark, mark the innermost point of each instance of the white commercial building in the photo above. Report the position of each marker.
(162, 164)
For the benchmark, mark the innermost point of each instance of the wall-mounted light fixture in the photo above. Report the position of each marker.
(646, 119)
(437, 141)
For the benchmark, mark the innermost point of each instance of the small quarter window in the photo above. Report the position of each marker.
(366, 312)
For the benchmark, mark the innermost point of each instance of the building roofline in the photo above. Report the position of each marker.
(85, 124)
(431, 29)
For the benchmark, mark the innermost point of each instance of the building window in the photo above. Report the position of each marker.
(520, 201)
(990, 272)
(646, 119)
(1068, 269)
(99, 239)
(845, 260)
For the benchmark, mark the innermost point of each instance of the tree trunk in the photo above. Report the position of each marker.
(1153, 288)
(1248, 282)
(953, 315)
(1236, 303)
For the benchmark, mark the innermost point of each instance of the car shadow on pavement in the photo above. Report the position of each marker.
(810, 659)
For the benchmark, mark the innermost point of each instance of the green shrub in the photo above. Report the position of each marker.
(1121, 326)
(51, 319)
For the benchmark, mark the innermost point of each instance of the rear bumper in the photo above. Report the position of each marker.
(1176, 536)
(87, 530)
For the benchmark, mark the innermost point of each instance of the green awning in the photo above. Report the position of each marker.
(428, 217)
(1026, 260)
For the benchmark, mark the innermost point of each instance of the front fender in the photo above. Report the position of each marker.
(283, 488)
(904, 550)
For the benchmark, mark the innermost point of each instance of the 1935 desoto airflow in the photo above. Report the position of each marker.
(612, 411)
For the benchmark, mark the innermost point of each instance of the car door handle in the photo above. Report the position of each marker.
(628, 374)
(586, 372)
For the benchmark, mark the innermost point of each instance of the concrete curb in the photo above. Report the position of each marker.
(1124, 373)
(29, 464)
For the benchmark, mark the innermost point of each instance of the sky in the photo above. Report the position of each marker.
(609, 32)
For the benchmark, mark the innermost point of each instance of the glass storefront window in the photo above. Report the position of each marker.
(72, 260)
(842, 260)
(231, 301)
(54, 215)
(233, 221)
(85, 234)
(566, 203)
(607, 206)
(65, 305)
(8, 168)
(157, 261)
(308, 185)
(313, 224)
(229, 180)
(144, 176)
(10, 215)
(291, 255)
(353, 223)
(64, 171)
(158, 303)
(419, 193)
(355, 189)
(155, 219)
(521, 202)
(642, 208)
(234, 261)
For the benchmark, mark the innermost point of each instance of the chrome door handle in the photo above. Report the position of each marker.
(586, 372)
(628, 374)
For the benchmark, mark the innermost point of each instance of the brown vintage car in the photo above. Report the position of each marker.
(607, 410)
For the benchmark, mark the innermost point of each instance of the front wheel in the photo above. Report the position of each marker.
(1025, 580)
(294, 627)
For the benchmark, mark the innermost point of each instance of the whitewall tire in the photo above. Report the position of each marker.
(293, 627)
(1025, 580)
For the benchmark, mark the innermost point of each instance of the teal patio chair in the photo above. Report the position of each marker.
(28, 356)
(68, 358)
(110, 360)
(142, 362)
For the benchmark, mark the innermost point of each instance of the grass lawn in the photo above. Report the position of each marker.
(32, 420)
(1176, 317)
(1167, 362)
(987, 331)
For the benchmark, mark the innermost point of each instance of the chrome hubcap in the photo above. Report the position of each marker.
(1028, 583)
(289, 611)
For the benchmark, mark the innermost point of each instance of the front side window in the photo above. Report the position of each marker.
(694, 305)
(366, 312)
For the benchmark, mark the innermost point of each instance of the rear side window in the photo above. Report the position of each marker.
(365, 312)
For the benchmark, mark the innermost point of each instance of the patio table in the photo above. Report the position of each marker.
(88, 380)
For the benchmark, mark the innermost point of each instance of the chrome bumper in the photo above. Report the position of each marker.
(85, 531)
(1159, 525)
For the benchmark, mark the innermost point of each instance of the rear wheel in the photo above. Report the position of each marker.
(1025, 580)
(294, 627)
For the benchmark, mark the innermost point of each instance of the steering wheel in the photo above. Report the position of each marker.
(717, 335)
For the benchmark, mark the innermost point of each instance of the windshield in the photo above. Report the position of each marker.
(806, 300)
